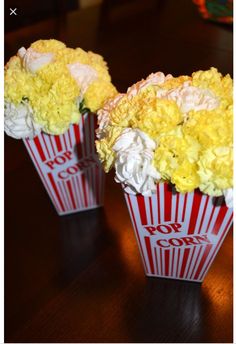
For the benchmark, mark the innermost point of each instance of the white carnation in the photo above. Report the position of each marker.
(19, 122)
(133, 166)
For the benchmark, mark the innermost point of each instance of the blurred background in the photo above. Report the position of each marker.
(136, 37)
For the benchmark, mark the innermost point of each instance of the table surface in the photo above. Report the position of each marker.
(79, 278)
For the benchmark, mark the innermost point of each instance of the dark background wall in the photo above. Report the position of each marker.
(29, 11)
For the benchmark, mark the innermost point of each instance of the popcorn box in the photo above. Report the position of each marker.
(69, 167)
(178, 235)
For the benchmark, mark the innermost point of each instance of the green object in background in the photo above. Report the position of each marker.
(216, 10)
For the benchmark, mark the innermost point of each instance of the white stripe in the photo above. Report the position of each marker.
(147, 207)
(74, 189)
(44, 146)
(175, 262)
(180, 261)
(197, 261)
(216, 212)
(154, 209)
(92, 120)
(62, 194)
(189, 261)
(79, 191)
(200, 213)
(181, 207)
(188, 211)
(49, 146)
(208, 212)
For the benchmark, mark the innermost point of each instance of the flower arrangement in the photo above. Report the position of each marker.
(48, 86)
(174, 129)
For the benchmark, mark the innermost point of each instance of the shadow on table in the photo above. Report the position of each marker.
(168, 310)
(84, 236)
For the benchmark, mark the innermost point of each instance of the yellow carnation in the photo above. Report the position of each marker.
(104, 147)
(47, 46)
(192, 129)
(215, 169)
(219, 85)
(211, 128)
(52, 92)
(174, 150)
(185, 177)
(97, 93)
(146, 112)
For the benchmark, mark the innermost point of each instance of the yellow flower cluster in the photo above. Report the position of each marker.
(51, 91)
(193, 150)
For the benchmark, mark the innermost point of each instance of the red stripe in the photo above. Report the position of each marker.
(190, 260)
(149, 252)
(64, 139)
(84, 136)
(212, 213)
(150, 206)
(39, 148)
(184, 262)
(173, 260)
(33, 157)
(227, 227)
(184, 207)
(58, 142)
(219, 220)
(155, 250)
(62, 194)
(203, 214)
(66, 193)
(158, 202)
(136, 229)
(196, 260)
(90, 134)
(168, 199)
(56, 191)
(194, 213)
(177, 207)
(142, 209)
(78, 141)
(177, 266)
(167, 261)
(79, 191)
(161, 261)
(84, 190)
(203, 260)
(43, 137)
(69, 135)
(75, 191)
(68, 183)
(50, 139)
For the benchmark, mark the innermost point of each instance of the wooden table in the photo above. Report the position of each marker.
(79, 278)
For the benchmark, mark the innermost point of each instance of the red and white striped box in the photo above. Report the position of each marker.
(178, 235)
(69, 167)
